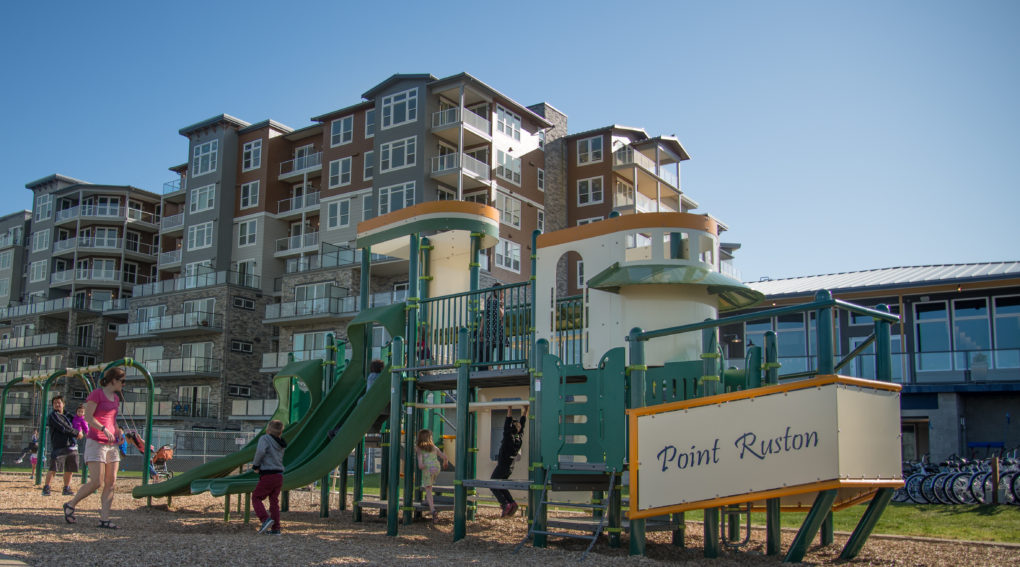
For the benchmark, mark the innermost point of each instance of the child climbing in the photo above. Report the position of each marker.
(509, 452)
(268, 463)
(428, 461)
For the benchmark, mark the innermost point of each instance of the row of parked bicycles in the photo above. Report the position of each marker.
(961, 481)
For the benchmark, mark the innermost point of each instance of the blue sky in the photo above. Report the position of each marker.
(829, 136)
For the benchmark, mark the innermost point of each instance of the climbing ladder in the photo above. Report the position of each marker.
(588, 530)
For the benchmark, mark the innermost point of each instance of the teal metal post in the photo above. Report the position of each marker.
(359, 481)
(821, 508)
(366, 277)
(3, 412)
(826, 365)
(679, 530)
(328, 377)
(710, 386)
(637, 400)
(384, 465)
(43, 422)
(712, 544)
(867, 523)
(409, 379)
(475, 265)
(883, 347)
(463, 364)
(393, 501)
(773, 525)
(537, 463)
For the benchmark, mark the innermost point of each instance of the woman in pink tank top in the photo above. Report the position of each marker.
(101, 453)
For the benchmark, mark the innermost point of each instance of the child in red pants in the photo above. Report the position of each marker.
(268, 462)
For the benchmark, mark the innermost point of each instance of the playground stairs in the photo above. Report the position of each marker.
(587, 529)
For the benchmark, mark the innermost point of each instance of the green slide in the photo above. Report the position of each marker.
(311, 454)
(309, 373)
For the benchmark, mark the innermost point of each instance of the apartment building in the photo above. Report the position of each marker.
(88, 247)
(956, 350)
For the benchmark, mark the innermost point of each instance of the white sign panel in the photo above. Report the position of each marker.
(765, 443)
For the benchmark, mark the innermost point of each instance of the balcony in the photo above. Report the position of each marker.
(197, 281)
(308, 242)
(173, 191)
(104, 213)
(311, 310)
(335, 258)
(445, 169)
(249, 409)
(172, 223)
(32, 342)
(176, 367)
(173, 408)
(299, 204)
(91, 276)
(477, 129)
(631, 202)
(7, 240)
(170, 258)
(273, 361)
(298, 166)
(627, 157)
(195, 322)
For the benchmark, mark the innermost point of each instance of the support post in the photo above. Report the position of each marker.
(359, 481)
(393, 496)
(538, 512)
(637, 400)
(823, 330)
(773, 526)
(463, 364)
(813, 521)
(342, 471)
(867, 523)
(711, 523)
(883, 347)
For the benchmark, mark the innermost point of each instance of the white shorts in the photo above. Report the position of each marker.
(101, 452)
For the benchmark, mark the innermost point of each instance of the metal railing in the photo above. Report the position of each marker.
(34, 341)
(196, 281)
(172, 186)
(299, 164)
(300, 241)
(297, 203)
(452, 162)
(181, 366)
(7, 240)
(282, 358)
(335, 258)
(171, 257)
(627, 156)
(451, 116)
(87, 274)
(171, 222)
(179, 321)
(311, 307)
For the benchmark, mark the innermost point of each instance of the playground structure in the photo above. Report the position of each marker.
(601, 389)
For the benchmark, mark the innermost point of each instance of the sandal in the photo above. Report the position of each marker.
(108, 525)
(68, 513)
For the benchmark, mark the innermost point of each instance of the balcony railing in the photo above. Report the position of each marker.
(105, 211)
(172, 186)
(452, 162)
(173, 408)
(180, 321)
(451, 116)
(253, 408)
(197, 281)
(297, 203)
(33, 341)
(300, 164)
(180, 366)
(297, 242)
(273, 360)
(63, 304)
(8, 240)
(171, 222)
(338, 258)
(89, 274)
(312, 307)
(171, 257)
(627, 156)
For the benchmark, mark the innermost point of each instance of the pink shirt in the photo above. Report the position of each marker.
(105, 414)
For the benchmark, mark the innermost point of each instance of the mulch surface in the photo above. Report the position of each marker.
(193, 533)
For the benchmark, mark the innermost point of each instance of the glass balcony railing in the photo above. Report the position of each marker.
(627, 156)
(452, 162)
(298, 242)
(336, 258)
(301, 164)
(312, 307)
(7, 240)
(169, 258)
(180, 366)
(171, 222)
(33, 341)
(85, 274)
(281, 359)
(172, 186)
(197, 281)
(451, 116)
(298, 203)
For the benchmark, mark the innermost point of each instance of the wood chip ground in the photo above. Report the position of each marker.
(193, 533)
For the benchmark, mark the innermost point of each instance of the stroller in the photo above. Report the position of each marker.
(159, 469)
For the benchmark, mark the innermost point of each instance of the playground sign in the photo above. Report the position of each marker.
(783, 441)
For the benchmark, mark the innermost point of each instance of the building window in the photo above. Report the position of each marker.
(398, 154)
(366, 207)
(241, 346)
(370, 123)
(444, 194)
(589, 220)
(396, 197)
(1006, 320)
(540, 176)
(972, 334)
(251, 157)
(341, 131)
(589, 150)
(205, 158)
(541, 139)
(338, 214)
(246, 232)
(234, 389)
(200, 235)
(250, 195)
(540, 222)
(508, 123)
(340, 172)
(245, 303)
(508, 167)
(43, 207)
(5, 259)
(509, 210)
(508, 255)
(589, 191)
(931, 322)
(41, 240)
(580, 273)
(482, 198)
(5, 287)
(399, 108)
(369, 165)
(38, 271)
(202, 198)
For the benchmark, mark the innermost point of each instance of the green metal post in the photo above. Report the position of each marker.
(472, 463)
(247, 507)
(537, 462)
(821, 508)
(826, 532)
(359, 481)
(3, 411)
(285, 501)
(226, 507)
(460, 491)
(867, 523)
(615, 518)
(637, 400)
(342, 471)
(393, 496)
(883, 348)
(43, 422)
(476, 251)
(773, 525)
(680, 531)
(366, 277)
(384, 465)
(710, 362)
(711, 523)
(824, 333)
